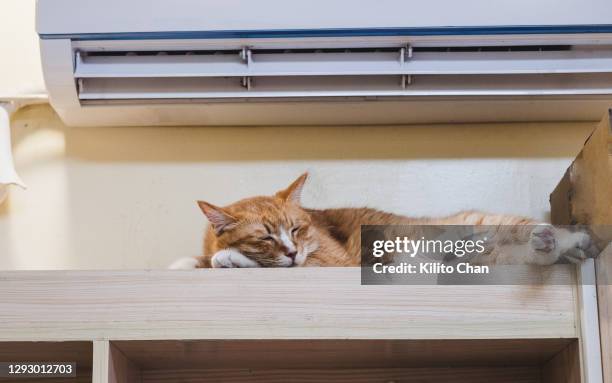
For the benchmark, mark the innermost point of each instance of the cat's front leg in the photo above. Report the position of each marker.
(231, 258)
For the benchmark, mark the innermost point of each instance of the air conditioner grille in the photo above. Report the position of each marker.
(346, 72)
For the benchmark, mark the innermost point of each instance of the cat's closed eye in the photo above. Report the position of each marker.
(295, 229)
(267, 238)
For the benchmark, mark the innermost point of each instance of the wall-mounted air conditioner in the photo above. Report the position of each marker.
(224, 62)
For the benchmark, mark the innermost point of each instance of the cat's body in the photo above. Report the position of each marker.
(276, 231)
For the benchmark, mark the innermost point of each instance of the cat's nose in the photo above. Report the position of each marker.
(292, 255)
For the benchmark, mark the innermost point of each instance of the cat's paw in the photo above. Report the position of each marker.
(184, 264)
(231, 258)
(575, 246)
(551, 244)
(543, 238)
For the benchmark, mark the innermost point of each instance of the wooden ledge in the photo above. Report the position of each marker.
(300, 303)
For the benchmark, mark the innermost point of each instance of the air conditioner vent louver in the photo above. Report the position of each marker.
(343, 72)
(486, 48)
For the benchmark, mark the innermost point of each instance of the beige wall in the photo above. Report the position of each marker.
(20, 68)
(125, 197)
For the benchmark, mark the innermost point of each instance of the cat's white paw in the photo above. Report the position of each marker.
(231, 258)
(187, 263)
(543, 238)
(575, 246)
(551, 244)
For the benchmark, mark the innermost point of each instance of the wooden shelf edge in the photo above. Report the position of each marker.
(306, 303)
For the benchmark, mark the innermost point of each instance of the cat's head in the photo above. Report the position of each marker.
(274, 231)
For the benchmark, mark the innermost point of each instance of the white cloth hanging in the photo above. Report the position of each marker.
(8, 174)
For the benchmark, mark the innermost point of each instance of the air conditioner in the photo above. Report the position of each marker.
(233, 62)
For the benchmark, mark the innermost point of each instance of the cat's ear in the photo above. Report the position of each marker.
(294, 192)
(219, 219)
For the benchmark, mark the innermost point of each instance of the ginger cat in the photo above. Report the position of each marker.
(276, 231)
